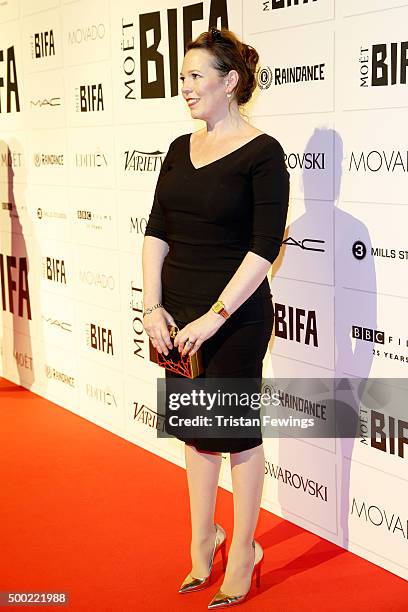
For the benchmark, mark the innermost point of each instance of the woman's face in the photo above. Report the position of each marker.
(202, 84)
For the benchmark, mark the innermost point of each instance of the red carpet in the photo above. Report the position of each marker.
(86, 512)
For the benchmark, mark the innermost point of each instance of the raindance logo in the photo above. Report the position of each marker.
(9, 80)
(270, 5)
(54, 270)
(267, 76)
(48, 159)
(42, 44)
(89, 98)
(11, 283)
(296, 324)
(54, 374)
(383, 64)
(86, 34)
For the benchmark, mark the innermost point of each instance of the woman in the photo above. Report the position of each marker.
(216, 225)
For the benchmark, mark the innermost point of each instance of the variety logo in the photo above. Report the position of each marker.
(48, 159)
(271, 5)
(89, 98)
(102, 396)
(54, 270)
(296, 324)
(148, 416)
(380, 517)
(384, 64)
(143, 161)
(307, 244)
(379, 161)
(61, 377)
(99, 338)
(86, 34)
(45, 102)
(297, 481)
(9, 81)
(268, 76)
(136, 306)
(15, 284)
(42, 44)
(375, 336)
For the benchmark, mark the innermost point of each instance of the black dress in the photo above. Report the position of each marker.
(211, 217)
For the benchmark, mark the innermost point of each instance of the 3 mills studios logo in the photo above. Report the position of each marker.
(8, 81)
(383, 64)
(42, 44)
(89, 98)
(360, 252)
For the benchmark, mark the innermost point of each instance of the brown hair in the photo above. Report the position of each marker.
(230, 54)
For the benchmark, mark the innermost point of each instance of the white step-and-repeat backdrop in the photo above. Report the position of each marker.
(89, 101)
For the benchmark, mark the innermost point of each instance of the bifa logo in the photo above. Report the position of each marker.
(54, 270)
(12, 283)
(296, 324)
(384, 64)
(8, 81)
(89, 98)
(100, 339)
(42, 44)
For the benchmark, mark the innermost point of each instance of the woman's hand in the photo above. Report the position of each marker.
(155, 325)
(197, 332)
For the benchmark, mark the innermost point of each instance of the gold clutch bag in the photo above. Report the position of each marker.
(189, 365)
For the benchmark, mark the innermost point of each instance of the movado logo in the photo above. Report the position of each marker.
(271, 5)
(379, 161)
(138, 225)
(380, 517)
(86, 33)
(383, 64)
(9, 81)
(14, 280)
(42, 44)
(296, 324)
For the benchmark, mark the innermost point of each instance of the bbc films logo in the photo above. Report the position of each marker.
(89, 98)
(290, 75)
(42, 44)
(383, 64)
(359, 250)
(271, 5)
(93, 220)
(384, 345)
(48, 159)
(8, 82)
(86, 34)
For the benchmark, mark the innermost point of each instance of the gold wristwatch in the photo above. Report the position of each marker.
(219, 308)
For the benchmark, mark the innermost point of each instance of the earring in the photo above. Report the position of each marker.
(229, 95)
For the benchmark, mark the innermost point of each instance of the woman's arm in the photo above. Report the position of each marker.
(154, 251)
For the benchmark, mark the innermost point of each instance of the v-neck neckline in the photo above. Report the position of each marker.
(220, 158)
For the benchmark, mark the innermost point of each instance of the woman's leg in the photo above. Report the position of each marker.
(203, 469)
(248, 471)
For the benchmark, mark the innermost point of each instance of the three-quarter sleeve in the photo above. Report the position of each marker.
(155, 224)
(270, 188)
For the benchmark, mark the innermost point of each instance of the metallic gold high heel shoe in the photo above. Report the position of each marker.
(222, 600)
(190, 583)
